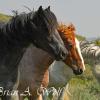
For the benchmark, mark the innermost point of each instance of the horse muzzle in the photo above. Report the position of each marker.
(78, 72)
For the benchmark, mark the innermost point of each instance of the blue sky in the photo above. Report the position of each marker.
(84, 14)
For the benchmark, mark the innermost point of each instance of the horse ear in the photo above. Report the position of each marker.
(48, 7)
(40, 9)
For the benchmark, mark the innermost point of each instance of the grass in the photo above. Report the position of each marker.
(85, 87)
(4, 18)
(97, 42)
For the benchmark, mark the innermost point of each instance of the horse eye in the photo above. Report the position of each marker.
(70, 45)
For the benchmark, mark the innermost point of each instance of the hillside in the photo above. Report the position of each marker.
(80, 38)
(4, 17)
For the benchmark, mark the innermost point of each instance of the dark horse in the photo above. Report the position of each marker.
(38, 28)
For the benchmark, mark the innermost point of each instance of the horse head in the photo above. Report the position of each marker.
(43, 24)
(74, 58)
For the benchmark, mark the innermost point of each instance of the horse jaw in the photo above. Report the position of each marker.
(79, 51)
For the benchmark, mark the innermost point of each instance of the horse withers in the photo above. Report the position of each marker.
(38, 28)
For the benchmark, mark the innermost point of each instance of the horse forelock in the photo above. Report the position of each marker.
(67, 32)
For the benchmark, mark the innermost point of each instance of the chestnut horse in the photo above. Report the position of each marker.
(59, 74)
(34, 68)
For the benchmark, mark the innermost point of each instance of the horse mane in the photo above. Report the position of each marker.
(36, 21)
(17, 23)
(17, 29)
(67, 32)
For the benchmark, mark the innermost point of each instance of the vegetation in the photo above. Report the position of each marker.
(4, 18)
(80, 38)
(85, 87)
(97, 42)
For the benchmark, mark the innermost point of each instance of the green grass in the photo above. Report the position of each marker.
(80, 38)
(85, 87)
(97, 42)
(26, 99)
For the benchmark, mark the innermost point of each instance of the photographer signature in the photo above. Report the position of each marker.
(4, 92)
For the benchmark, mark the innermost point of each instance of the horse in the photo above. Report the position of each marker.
(38, 28)
(34, 77)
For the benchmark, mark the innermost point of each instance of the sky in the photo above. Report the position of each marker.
(84, 14)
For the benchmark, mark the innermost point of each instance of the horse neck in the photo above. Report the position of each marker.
(34, 66)
(9, 60)
(12, 49)
(42, 60)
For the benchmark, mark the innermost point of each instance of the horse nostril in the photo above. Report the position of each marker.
(80, 71)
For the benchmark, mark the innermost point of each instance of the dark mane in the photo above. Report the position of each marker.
(16, 29)
(18, 26)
